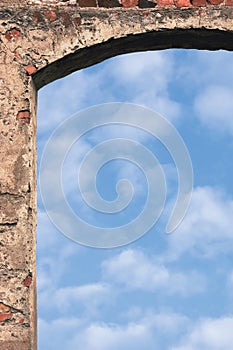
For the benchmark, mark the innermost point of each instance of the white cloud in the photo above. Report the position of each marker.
(168, 331)
(212, 68)
(214, 107)
(206, 230)
(54, 253)
(133, 270)
(145, 79)
(209, 334)
(53, 264)
(86, 300)
(153, 330)
(135, 67)
(55, 334)
(206, 87)
(115, 337)
(207, 68)
(90, 296)
(46, 234)
(146, 82)
(66, 97)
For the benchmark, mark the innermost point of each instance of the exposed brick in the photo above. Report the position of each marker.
(23, 114)
(50, 15)
(108, 3)
(182, 3)
(129, 3)
(215, 2)
(199, 2)
(21, 320)
(28, 280)
(8, 36)
(4, 317)
(165, 2)
(15, 33)
(87, 3)
(30, 69)
(229, 2)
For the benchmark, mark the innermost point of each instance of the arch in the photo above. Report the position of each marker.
(45, 40)
(205, 39)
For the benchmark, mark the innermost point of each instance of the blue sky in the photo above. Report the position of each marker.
(162, 291)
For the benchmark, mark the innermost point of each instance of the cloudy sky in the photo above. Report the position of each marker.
(168, 292)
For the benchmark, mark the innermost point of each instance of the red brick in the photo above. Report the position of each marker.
(50, 15)
(165, 2)
(27, 281)
(8, 36)
(129, 3)
(30, 69)
(4, 317)
(182, 3)
(199, 2)
(215, 2)
(23, 115)
(15, 33)
(21, 320)
(229, 2)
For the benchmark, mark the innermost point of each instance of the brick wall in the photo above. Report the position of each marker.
(140, 4)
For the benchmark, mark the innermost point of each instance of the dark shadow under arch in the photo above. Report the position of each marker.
(202, 39)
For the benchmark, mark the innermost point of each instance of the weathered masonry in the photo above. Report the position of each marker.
(45, 40)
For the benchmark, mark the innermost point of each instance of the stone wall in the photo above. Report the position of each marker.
(45, 40)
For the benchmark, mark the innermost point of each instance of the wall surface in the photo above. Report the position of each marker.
(45, 40)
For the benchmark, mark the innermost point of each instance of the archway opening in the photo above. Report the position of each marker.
(159, 290)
